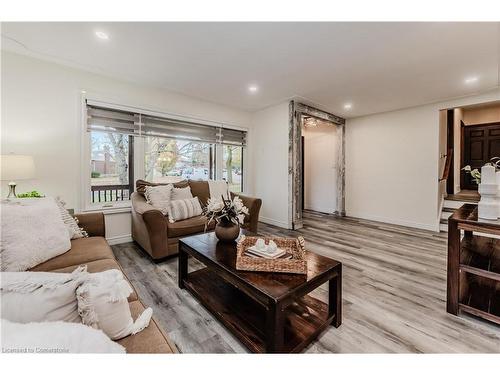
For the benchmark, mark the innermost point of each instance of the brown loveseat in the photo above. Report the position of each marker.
(95, 252)
(160, 238)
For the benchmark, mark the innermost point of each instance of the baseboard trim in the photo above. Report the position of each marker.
(320, 209)
(277, 223)
(404, 223)
(119, 239)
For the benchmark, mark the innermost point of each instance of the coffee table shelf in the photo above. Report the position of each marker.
(246, 318)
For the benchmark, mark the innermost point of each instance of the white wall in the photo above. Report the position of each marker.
(392, 164)
(41, 116)
(269, 150)
(320, 167)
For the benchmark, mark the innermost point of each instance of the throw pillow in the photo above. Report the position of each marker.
(55, 337)
(140, 185)
(102, 304)
(32, 232)
(71, 222)
(181, 193)
(218, 189)
(159, 196)
(41, 296)
(184, 209)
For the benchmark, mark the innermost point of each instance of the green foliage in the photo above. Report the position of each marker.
(475, 174)
(95, 174)
(30, 194)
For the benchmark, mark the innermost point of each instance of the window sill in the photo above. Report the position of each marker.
(109, 210)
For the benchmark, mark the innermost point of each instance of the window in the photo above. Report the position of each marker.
(232, 170)
(111, 167)
(124, 146)
(171, 160)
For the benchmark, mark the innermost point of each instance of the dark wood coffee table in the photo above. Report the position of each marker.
(268, 312)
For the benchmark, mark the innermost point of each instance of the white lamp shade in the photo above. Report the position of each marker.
(17, 167)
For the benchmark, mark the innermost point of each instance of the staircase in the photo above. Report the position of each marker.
(451, 203)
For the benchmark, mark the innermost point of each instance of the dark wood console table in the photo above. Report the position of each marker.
(268, 312)
(473, 265)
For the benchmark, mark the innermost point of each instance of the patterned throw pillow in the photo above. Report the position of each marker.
(159, 196)
(184, 209)
(181, 193)
(71, 222)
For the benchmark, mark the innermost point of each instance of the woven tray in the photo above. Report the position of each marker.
(294, 246)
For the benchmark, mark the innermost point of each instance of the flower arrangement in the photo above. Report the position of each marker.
(475, 174)
(225, 211)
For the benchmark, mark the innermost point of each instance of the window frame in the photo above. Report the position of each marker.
(242, 181)
(139, 152)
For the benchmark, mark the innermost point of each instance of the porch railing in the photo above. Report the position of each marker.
(110, 193)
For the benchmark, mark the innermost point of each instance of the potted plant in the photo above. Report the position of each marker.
(228, 214)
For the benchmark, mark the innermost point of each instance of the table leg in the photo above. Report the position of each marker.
(183, 267)
(335, 299)
(275, 329)
(453, 267)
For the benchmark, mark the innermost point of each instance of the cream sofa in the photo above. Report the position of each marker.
(95, 252)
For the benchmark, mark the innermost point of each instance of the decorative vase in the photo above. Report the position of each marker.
(488, 189)
(498, 192)
(227, 232)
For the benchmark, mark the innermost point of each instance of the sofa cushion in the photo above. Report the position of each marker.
(83, 250)
(189, 226)
(200, 189)
(99, 266)
(150, 340)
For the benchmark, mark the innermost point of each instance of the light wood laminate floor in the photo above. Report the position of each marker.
(394, 290)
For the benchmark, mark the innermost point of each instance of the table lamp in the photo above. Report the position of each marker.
(16, 167)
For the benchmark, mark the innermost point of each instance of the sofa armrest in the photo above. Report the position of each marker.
(149, 226)
(92, 223)
(253, 205)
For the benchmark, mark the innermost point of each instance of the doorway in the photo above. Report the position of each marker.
(297, 194)
(319, 165)
(480, 144)
(468, 135)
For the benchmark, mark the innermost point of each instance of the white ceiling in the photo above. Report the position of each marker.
(375, 66)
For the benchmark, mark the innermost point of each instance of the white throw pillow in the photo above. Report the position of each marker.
(102, 304)
(41, 296)
(218, 189)
(32, 232)
(159, 196)
(181, 193)
(184, 209)
(71, 222)
(55, 337)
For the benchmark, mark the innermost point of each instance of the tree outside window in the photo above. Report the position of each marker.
(110, 163)
(171, 160)
(233, 167)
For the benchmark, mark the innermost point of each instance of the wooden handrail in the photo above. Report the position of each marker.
(447, 165)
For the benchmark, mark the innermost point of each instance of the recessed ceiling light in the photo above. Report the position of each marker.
(253, 89)
(348, 106)
(102, 35)
(472, 79)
